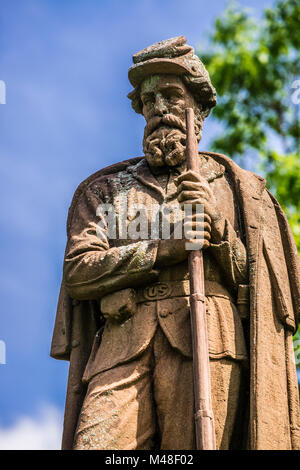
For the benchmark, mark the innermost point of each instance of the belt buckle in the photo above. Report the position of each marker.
(157, 291)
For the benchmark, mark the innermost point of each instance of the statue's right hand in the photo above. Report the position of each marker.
(170, 252)
(174, 251)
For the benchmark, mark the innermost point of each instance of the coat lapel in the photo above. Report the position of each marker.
(209, 168)
(141, 173)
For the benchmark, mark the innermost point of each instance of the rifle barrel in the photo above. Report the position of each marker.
(204, 420)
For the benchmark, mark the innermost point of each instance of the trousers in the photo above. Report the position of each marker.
(147, 403)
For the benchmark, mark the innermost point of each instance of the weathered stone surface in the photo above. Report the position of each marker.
(123, 317)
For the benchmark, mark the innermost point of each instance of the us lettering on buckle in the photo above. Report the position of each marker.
(157, 291)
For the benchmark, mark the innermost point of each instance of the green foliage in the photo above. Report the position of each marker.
(253, 65)
(284, 181)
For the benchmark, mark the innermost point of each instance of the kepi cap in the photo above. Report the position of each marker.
(172, 56)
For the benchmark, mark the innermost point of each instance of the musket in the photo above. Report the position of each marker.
(204, 420)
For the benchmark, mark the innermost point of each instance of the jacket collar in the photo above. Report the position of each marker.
(141, 172)
(250, 183)
(209, 169)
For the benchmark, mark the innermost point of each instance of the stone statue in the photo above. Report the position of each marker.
(123, 311)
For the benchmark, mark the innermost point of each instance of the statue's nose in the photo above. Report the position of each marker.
(160, 105)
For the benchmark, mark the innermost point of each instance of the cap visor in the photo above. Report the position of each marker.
(137, 73)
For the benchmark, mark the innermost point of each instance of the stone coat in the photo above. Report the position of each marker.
(99, 267)
(274, 302)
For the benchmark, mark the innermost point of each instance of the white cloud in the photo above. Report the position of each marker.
(42, 432)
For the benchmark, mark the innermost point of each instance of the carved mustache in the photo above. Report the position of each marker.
(167, 119)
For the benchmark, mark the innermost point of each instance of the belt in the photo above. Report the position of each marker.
(170, 289)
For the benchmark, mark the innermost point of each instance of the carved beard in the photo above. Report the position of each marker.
(165, 139)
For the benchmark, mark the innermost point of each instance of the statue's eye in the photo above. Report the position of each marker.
(146, 100)
(172, 95)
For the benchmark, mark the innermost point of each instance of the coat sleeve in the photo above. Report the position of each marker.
(231, 256)
(93, 267)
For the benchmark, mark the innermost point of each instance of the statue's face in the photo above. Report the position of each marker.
(164, 94)
(164, 99)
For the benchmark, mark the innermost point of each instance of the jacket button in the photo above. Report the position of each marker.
(75, 343)
(164, 313)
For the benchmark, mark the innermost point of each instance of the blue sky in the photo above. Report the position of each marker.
(66, 115)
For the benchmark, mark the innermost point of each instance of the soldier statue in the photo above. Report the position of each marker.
(123, 317)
